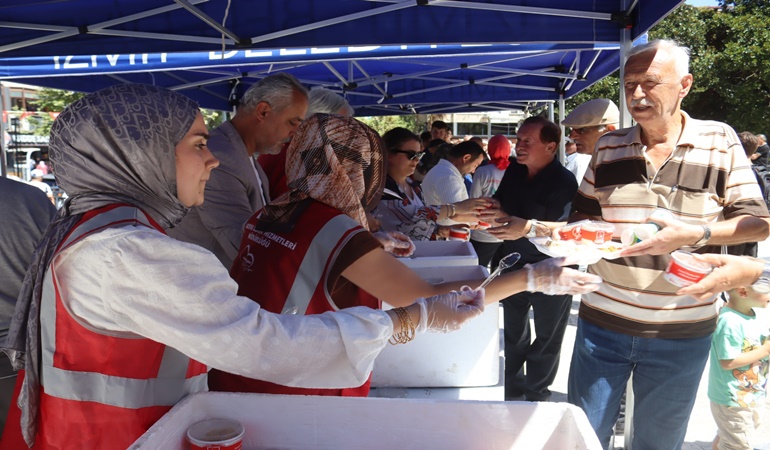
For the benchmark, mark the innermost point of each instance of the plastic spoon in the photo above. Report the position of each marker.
(506, 262)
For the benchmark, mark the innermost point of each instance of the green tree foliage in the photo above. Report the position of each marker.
(729, 62)
(381, 124)
(213, 117)
(50, 100)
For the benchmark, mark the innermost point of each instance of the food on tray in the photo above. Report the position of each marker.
(584, 251)
(610, 248)
(567, 246)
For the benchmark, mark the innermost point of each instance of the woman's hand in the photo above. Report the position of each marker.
(729, 272)
(469, 210)
(551, 277)
(443, 231)
(474, 205)
(396, 243)
(448, 312)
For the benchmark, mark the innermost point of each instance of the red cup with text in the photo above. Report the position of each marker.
(570, 233)
(215, 434)
(459, 234)
(684, 270)
(597, 232)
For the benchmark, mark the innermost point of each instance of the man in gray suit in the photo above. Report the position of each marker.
(269, 114)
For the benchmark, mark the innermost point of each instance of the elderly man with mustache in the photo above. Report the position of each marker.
(637, 323)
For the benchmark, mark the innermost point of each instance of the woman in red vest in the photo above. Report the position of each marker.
(314, 246)
(117, 322)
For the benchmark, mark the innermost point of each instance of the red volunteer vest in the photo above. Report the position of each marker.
(288, 273)
(99, 391)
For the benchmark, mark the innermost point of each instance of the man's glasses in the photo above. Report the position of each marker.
(410, 154)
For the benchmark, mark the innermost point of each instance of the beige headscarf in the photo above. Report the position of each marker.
(335, 160)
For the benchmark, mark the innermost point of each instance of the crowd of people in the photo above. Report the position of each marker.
(254, 257)
(116, 321)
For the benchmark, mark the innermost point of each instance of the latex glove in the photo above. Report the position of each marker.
(395, 243)
(448, 312)
(550, 277)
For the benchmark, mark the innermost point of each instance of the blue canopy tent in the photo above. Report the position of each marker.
(376, 80)
(87, 27)
(121, 27)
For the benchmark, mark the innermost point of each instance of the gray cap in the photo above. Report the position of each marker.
(600, 111)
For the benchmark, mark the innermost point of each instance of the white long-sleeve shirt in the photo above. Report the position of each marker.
(443, 184)
(136, 281)
(485, 182)
(577, 163)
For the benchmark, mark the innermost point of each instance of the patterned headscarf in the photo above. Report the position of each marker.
(335, 160)
(113, 146)
(499, 149)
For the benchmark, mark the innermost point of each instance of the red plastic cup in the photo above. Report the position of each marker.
(215, 434)
(459, 234)
(684, 270)
(570, 233)
(597, 232)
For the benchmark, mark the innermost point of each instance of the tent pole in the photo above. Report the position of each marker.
(3, 167)
(562, 156)
(625, 47)
(625, 122)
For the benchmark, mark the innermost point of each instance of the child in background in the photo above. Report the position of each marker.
(739, 366)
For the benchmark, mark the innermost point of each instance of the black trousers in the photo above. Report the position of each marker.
(530, 366)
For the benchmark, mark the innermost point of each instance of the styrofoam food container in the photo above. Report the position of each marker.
(301, 422)
(441, 253)
(464, 358)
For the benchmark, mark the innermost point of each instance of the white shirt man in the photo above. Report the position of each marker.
(575, 162)
(444, 183)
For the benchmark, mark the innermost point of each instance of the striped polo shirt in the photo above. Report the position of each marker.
(707, 178)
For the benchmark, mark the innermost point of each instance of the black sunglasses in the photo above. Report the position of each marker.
(410, 154)
(583, 130)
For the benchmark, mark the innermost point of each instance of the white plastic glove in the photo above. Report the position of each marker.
(550, 277)
(395, 243)
(448, 312)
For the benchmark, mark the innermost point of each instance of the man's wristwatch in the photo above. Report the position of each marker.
(532, 229)
(705, 238)
(762, 285)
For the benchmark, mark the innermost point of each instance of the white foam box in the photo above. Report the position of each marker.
(465, 358)
(442, 253)
(331, 423)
